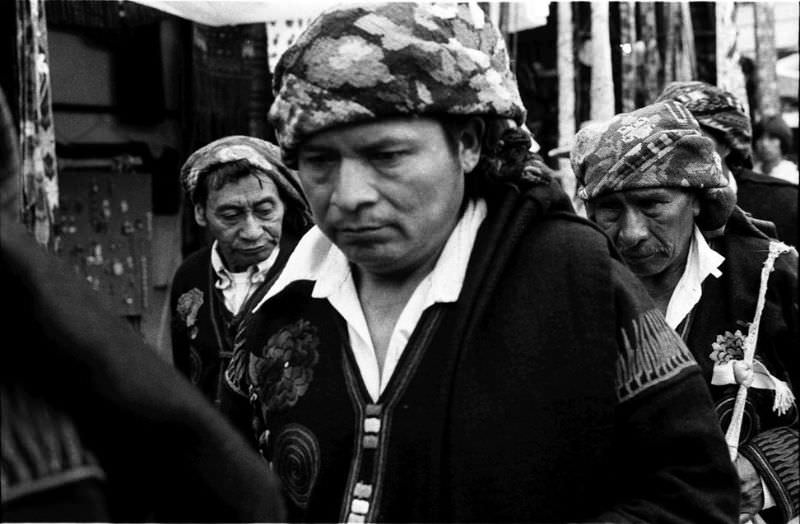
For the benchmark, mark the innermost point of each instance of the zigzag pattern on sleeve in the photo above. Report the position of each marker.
(653, 353)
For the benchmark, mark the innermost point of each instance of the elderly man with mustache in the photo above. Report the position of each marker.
(654, 183)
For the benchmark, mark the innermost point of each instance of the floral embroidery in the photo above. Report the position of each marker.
(729, 346)
(283, 370)
(188, 305)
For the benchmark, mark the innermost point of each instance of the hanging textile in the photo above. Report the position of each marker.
(602, 83)
(37, 137)
(680, 63)
(281, 35)
(565, 66)
(669, 21)
(629, 77)
(686, 59)
(729, 73)
(766, 76)
(231, 82)
(651, 64)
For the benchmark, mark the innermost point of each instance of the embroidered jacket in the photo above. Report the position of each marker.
(550, 391)
(202, 328)
(715, 333)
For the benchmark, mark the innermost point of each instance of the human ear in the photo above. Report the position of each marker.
(696, 204)
(470, 139)
(200, 215)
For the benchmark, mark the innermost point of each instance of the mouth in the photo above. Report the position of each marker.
(254, 250)
(637, 256)
(362, 232)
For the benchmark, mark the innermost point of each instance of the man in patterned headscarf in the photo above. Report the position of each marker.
(724, 120)
(652, 180)
(255, 212)
(450, 342)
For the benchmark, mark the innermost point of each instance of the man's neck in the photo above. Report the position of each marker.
(769, 165)
(661, 286)
(383, 298)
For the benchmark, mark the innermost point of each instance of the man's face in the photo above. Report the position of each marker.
(245, 218)
(652, 228)
(388, 193)
(768, 148)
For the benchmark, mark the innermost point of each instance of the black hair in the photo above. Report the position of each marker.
(504, 152)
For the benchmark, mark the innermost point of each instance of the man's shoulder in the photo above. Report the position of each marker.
(750, 177)
(555, 222)
(198, 260)
(749, 251)
(193, 271)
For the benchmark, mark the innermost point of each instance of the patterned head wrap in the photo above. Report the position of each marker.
(260, 154)
(659, 145)
(359, 63)
(720, 112)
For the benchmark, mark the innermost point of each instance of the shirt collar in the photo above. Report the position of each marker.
(701, 262)
(257, 272)
(317, 259)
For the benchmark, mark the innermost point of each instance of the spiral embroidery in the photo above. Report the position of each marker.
(297, 462)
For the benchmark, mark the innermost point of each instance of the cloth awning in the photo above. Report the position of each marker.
(234, 12)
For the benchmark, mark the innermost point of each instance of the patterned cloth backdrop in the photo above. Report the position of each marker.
(651, 64)
(282, 34)
(766, 75)
(680, 63)
(37, 137)
(629, 77)
(602, 86)
(729, 72)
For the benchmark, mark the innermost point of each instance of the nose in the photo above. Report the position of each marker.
(251, 229)
(632, 230)
(354, 186)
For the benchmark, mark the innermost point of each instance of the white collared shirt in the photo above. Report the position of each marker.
(701, 262)
(316, 258)
(237, 287)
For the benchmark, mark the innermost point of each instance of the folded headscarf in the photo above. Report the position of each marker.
(720, 112)
(659, 145)
(358, 63)
(260, 154)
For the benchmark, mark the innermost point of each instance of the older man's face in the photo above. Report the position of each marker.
(245, 217)
(652, 228)
(387, 193)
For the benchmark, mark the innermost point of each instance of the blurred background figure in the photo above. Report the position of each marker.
(773, 144)
(95, 426)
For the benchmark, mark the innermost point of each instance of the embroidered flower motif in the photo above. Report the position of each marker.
(188, 305)
(729, 346)
(283, 370)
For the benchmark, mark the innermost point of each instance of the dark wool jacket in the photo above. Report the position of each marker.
(202, 328)
(769, 198)
(728, 304)
(97, 427)
(551, 391)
